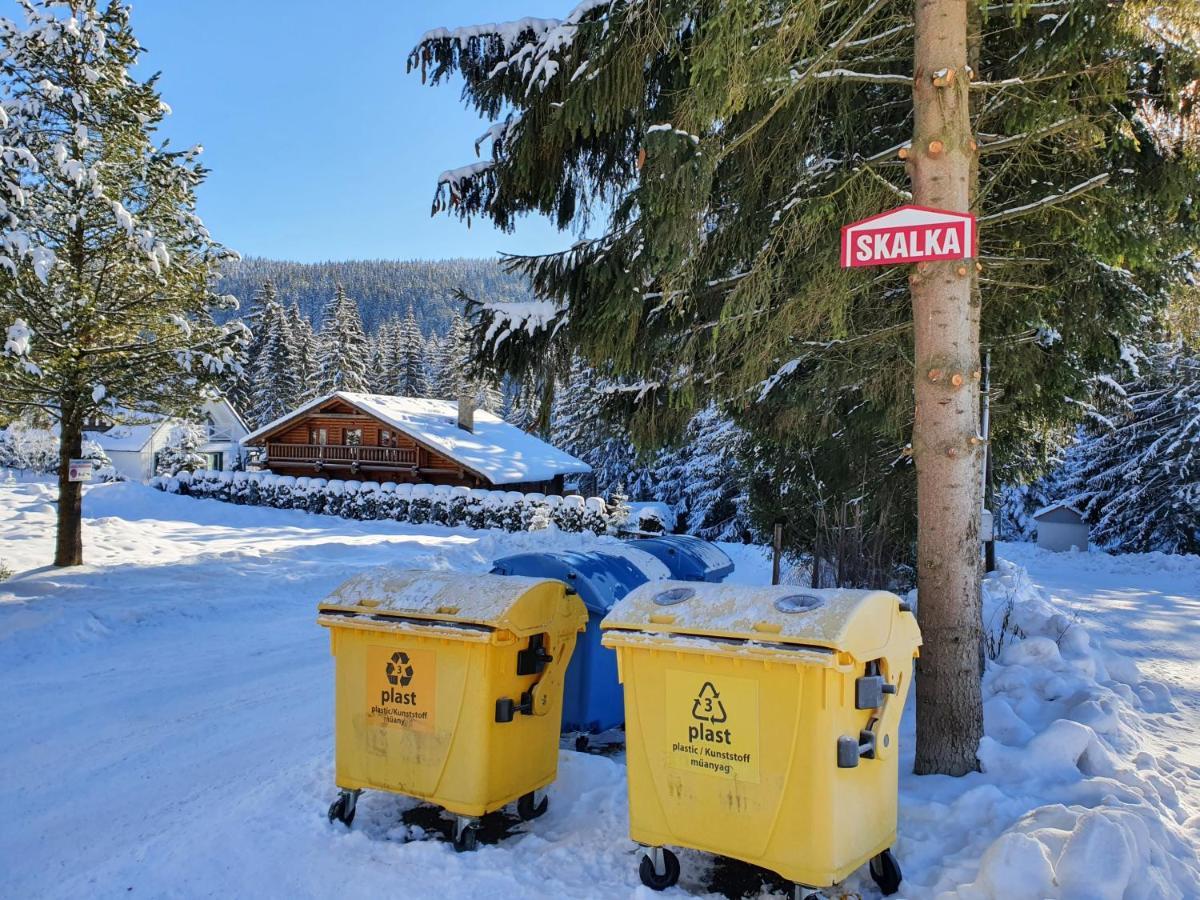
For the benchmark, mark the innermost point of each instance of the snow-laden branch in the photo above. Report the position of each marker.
(868, 77)
(530, 317)
(454, 177)
(1015, 212)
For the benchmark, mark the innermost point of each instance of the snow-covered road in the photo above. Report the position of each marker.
(1147, 606)
(166, 731)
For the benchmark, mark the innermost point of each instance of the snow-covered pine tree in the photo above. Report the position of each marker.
(343, 352)
(577, 427)
(522, 404)
(240, 387)
(456, 354)
(1138, 480)
(304, 352)
(181, 454)
(278, 387)
(410, 345)
(703, 478)
(105, 268)
(722, 139)
(379, 378)
(435, 364)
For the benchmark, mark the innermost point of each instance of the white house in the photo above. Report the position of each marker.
(133, 447)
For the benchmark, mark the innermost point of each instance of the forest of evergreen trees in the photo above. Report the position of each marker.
(383, 288)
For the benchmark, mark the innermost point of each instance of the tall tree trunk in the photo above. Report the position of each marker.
(946, 448)
(68, 547)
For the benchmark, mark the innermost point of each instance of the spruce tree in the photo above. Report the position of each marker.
(724, 144)
(379, 378)
(304, 352)
(278, 388)
(435, 365)
(105, 268)
(1137, 477)
(411, 358)
(342, 349)
(241, 387)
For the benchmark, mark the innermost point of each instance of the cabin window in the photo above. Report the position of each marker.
(318, 436)
(352, 437)
(386, 438)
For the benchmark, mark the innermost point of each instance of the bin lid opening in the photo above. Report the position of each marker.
(798, 603)
(672, 596)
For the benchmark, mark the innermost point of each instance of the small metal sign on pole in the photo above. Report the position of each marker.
(909, 234)
(80, 470)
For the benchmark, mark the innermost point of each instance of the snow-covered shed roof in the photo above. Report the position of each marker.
(500, 452)
(1061, 504)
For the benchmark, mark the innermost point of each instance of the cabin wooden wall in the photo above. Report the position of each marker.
(439, 469)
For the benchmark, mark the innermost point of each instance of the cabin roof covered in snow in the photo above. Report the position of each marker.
(500, 452)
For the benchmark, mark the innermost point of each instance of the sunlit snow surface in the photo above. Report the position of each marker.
(167, 724)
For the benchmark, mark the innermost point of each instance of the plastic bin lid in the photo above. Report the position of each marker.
(857, 622)
(490, 600)
(600, 578)
(688, 557)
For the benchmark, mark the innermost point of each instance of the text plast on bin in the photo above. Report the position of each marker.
(909, 234)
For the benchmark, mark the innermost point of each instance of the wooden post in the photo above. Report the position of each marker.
(946, 449)
(777, 551)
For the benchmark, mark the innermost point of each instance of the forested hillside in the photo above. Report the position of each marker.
(383, 288)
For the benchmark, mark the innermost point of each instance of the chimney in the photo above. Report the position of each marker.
(466, 413)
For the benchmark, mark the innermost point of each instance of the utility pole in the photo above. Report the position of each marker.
(989, 546)
(947, 448)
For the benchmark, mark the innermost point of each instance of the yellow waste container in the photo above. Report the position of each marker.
(449, 688)
(761, 724)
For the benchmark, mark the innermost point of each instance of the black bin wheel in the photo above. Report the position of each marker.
(467, 841)
(655, 881)
(527, 810)
(342, 809)
(885, 872)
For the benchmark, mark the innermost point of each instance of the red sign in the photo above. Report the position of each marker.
(909, 234)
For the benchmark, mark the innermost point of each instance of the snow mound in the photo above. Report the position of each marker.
(1068, 805)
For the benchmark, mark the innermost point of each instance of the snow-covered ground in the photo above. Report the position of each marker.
(166, 726)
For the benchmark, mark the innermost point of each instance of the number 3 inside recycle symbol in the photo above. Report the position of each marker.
(398, 669)
(707, 707)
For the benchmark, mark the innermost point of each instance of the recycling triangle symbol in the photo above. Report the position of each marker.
(707, 707)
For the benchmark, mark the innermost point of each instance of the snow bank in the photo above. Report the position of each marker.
(1069, 805)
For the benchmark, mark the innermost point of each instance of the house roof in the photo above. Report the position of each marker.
(1061, 504)
(500, 452)
(137, 434)
(125, 437)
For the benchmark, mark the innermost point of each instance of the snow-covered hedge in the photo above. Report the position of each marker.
(416, 503)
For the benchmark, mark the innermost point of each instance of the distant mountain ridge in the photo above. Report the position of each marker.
(383, 288)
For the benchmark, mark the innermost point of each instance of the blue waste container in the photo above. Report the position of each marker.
(689, 558)
(592, 697)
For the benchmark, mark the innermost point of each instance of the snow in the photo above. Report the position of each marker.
(168, 719)
(125, 437)
(18, 339)
(502, 453)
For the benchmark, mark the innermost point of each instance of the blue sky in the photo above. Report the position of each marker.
(321, 146)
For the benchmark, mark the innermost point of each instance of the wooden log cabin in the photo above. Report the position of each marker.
(379, 437)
